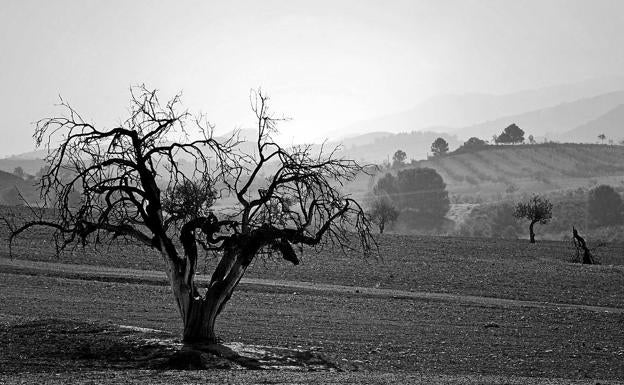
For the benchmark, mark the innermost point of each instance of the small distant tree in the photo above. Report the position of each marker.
(604, 207)
(532, 139)
(475, 142)
(511, 134)
(472, 144)
(421, 191)
(536, 210)
(18, 171)
(602, 138)
(382, 212)
(439, 147)
(398, 159)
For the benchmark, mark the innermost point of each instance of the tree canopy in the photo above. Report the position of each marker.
(421, 191)
(536, 210)
(398, 159)
(154, 178)
(472, 144)
(511, 134)
(439, 147)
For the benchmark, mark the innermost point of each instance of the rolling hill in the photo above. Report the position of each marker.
(529, 168)
(416, 144)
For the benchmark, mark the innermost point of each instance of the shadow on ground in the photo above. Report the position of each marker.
(59, 345)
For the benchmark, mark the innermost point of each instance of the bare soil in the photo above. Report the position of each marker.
(509, 269)
(367, 337)
(424, 310)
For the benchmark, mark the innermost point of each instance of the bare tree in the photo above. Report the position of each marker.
(133, 185)
(536, 210)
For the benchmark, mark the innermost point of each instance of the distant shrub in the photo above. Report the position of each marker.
(471, 145)
(494, 220)
(604, 207)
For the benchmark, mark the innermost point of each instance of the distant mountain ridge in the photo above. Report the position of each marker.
(611, 124)
(449, 113)
(550, 122)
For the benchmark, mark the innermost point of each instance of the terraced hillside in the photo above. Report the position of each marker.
(531, 168)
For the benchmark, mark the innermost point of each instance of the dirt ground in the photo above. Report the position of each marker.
(462, 320)
(510, 269)
(372, 339)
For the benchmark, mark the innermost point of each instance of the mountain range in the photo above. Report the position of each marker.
(576, 112)
(450, 113)
(559, 122)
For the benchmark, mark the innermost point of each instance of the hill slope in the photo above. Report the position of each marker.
(611, 124)
(415, 144)
(12, 186)
(530, 168)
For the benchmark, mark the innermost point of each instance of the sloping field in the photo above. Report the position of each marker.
(533, 168)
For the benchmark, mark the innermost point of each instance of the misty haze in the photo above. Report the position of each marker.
(340, 192)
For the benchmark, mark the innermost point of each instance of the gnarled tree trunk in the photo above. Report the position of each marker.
(531, 232)
(198, 312)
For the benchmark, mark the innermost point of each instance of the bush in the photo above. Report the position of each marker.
(604, 207)
(494, 220)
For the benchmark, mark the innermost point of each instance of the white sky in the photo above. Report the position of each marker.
(325, 64)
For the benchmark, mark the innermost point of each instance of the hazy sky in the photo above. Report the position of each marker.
(325, 64)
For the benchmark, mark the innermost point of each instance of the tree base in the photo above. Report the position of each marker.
(78, 345)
